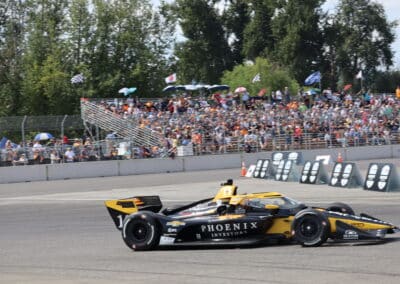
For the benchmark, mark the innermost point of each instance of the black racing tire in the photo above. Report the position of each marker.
(341, 208)
(141, 231)
(310, 228)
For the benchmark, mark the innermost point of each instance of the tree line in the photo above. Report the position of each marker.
(132, 43)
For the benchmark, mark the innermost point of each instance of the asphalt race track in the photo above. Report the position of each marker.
(60, 232)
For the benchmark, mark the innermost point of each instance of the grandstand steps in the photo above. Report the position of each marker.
(127, 128)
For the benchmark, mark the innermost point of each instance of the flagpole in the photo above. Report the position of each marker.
(361, 82)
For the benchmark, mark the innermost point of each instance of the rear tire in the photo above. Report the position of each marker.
(141, 232)
(310, 228)
(341, 208)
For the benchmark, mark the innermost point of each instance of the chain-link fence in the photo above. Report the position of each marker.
(44, 123)
(119, 149)
(40, 123)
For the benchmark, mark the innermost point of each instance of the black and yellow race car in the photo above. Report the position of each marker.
(239, 219)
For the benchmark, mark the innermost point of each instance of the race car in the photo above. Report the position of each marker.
(236, 219)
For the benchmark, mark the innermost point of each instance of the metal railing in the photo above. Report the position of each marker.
(118, 149)
(127, 128)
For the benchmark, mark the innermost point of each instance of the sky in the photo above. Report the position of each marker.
(392, 9)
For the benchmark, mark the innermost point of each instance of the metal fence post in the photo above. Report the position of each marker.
(23, 130)
(62, 126)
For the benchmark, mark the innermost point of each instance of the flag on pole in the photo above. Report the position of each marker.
(77, 79)
(256, 78)
(359, 75)
(171, 79)
(313, 78)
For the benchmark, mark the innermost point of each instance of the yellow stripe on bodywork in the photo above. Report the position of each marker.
(230, 216)
(281, 226)
(113, 205)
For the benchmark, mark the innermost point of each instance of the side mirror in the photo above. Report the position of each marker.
(221, 210)
(272, 207)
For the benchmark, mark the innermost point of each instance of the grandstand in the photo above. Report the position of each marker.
(156, 128)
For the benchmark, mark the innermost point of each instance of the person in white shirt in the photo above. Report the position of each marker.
(69, 155)
(37, 145)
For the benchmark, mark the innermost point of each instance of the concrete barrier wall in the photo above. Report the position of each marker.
(212, 162)
(82, 170)
(23, 173)
(180, 164)
(395, 151)
(370, 152)
(150, 166)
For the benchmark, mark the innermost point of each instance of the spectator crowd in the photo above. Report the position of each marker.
(279, 121)
(229, 122)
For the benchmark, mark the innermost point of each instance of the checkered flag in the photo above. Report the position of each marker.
(77, 79)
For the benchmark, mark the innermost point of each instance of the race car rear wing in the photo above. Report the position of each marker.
(119, 208)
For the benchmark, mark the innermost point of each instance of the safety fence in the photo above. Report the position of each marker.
(44, 123)
(122, 149)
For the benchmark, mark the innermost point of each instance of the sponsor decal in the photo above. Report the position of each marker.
(166, 240)
(176, 223)
(228, 229)
(350, 235)
(172, 230)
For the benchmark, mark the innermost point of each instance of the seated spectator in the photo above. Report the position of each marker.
(54, 157)
(37, 157)
(113, 154)
(22, 160)
(144, 152)
(84, 154)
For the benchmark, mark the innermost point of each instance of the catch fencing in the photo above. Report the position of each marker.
(122, 149)
(44, 123)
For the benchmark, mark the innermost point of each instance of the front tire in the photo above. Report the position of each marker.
(310, 228)
(141, 232)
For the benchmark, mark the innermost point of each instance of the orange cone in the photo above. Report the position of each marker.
(243, 172)
(339, 158)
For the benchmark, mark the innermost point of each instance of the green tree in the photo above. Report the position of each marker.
(386, 81)
(236, 18)
(45, 54)
(258, 37)
(80, 21)
(272, 77)
(12, 19)
(129, 48)
(205, 53)
(364, 39)
(299, 41)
